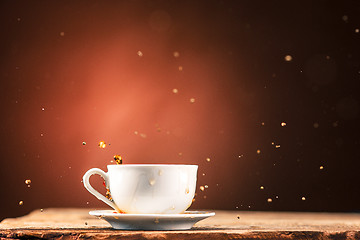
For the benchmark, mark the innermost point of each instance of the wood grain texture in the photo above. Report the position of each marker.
(78, 224)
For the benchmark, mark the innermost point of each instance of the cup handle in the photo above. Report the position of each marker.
(99, 196)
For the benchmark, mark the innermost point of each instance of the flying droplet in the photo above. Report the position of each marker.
(102, 144)
(316, 125)
(345, 18)
(262, 187)
(175, 90)
(21, 203)
(180, 68)
(27, 181)
(303, 198)
(192, 100)
(62, 34)
(288, 58)
(277, 146)
(357, 30)
(206, 186)
(258, 151)
(208, 159)
(321, 167)
(202, 188)
(42, 109)
(176, 54)
(118, 159)
(269, 200)
(83, 143)
(139, 53)
(283, 124)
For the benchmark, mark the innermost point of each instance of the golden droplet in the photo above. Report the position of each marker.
(21, 203)
(118, 159)
(27, 181)
(262, 124)
(175, 90)
(321, 167)
(269, 200)
(357, 30)
(277, 146)
(258, 151)
(262, 187)
(180, 68)
(283, 124)
(102, 144)
(208, 159)
(62, 34)
(83, 143)
(202, 188)
(176, 54)
(206, 186)
(139, 53)
(288, 58)
(303, 198)
(192, 100)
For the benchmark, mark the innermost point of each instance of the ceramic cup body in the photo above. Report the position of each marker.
(147, 188)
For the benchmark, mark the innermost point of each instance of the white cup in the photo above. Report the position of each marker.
(147, 188)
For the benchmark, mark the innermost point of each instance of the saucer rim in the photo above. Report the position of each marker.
(190, 214)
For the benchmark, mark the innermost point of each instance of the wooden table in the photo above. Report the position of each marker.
(78, 224)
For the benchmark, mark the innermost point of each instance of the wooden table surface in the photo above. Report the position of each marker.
(77, 223)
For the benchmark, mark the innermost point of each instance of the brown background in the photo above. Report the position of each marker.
(70, 72)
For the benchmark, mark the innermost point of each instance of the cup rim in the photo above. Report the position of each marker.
(151, 165)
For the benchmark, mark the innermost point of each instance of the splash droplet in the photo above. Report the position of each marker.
(192, 100)
(176, 54)
(21, 203)
(269, 200)
(175, 90)
(208, 159)
(303, 198)
(83, 143)
(118, 159)
(258, 151)
(27, 181)
(321, 167)
(139, 53)
(102, 144)
(288, 58)
(283, 124)
(262, 187)
(202, 188)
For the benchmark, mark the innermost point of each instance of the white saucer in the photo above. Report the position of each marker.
(126, 221)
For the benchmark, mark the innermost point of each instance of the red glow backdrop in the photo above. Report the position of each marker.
(180, 82)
